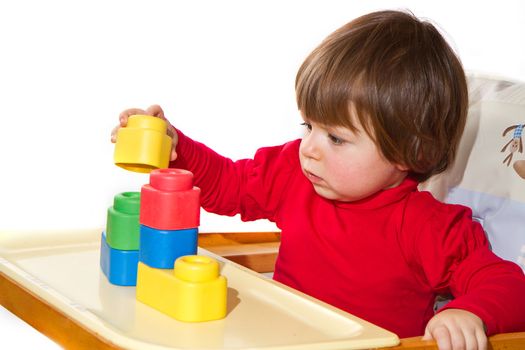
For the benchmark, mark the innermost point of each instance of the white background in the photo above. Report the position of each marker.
(223, 71)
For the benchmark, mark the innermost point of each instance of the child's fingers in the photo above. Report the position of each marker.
(454, 338)
(155, 110)
(123, 117)
(442, 337)
(173, 154)
(471, 339)
(114, 134)
(427, 335)
(123, 121)
(460, 339)
(481, 338)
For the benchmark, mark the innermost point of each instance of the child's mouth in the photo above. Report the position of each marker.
(313, 178)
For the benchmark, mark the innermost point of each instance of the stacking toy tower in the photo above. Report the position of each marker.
(151, 237)
(141, 146)
(169, 217)
(119, 253)
(171, 277)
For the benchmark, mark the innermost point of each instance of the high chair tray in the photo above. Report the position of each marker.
(62, 269)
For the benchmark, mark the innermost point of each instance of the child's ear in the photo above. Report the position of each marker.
(401, 167)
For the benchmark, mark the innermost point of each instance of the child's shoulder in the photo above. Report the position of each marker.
(287, 153)
(430, 225)
(288, 148)
(425, 210)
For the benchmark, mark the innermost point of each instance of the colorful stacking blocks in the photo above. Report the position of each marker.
(151, 237)
(169, 201)
(170, 277)
(119, 253)
(169, 217)
(160, 248)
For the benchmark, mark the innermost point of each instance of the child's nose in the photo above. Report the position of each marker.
(309, 147)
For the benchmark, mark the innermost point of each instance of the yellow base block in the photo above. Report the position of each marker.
(183, 300)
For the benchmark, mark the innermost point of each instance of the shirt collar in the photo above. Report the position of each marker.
(383, 197)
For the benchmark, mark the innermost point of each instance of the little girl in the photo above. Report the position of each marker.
(384, 102)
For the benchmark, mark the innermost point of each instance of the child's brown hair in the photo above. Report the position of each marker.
(403, 81)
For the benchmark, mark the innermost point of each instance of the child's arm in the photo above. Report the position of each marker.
(453, 255)
(456, 329)
(250, 187)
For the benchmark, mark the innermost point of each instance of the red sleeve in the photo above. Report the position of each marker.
(250, 187)
(455, 257)
(493, 289)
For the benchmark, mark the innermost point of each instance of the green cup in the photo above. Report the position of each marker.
(122, 226)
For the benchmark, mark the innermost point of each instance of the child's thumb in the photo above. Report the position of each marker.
(427, 335)
(173, 154)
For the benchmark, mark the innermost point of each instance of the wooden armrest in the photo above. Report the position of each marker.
(254, 250)
(503, 341)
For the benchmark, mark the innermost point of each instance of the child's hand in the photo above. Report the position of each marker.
(155, 111)
(456, 329)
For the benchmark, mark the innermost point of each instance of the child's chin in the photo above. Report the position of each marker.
(330, 195)
(325, 193)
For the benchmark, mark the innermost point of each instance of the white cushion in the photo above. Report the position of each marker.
(479, 178)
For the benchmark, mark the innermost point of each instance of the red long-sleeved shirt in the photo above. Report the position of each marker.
(383, 258)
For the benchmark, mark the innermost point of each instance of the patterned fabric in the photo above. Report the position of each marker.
(518, 131)
(486, 177)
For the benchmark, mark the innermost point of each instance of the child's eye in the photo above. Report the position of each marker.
(335, 140)
(308, 126)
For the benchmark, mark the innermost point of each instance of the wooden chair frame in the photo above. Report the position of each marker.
(254, 250)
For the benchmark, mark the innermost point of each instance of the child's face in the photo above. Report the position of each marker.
(344, 165)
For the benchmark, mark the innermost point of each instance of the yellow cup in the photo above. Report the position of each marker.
(143, 144)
